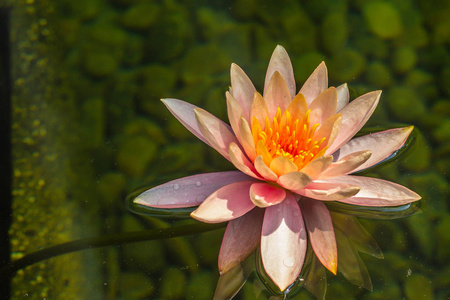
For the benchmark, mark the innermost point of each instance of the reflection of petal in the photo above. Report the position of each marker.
(188, 191)
(283, 242)
(320, 231)
(316, 279)
(241, 238)
(357, 234)
(374, 212)
(227, 203)
(350, 264)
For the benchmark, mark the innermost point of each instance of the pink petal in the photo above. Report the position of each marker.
(241, 162)
(315, 168)
(264, 170)
(324, 106)
(217, 133)
(184, 112)
(354, 116)
(234, 114)
(382, 144)
(294, 180)
(188, 191)
(227, 203)
(282, 165)
(343, 96)
(347, 164)
(315, 84)
(264, 195)
(242, 89)
(280, 62)
(329, 130)
(277, 94)
(259, 110)
(376, 192)
(247, 139)
(328, 191)
(283, 242)
(321, 232)
(241, 238)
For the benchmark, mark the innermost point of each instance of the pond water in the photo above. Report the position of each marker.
(88, 129)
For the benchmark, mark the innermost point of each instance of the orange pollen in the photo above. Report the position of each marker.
(292, 138)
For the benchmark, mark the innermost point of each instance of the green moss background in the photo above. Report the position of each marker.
(88, 128)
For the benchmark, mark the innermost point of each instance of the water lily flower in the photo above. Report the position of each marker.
(293, 152)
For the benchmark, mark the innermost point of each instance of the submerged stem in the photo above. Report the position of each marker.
(106, 240)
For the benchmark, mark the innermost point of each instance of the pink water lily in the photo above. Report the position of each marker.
(294, 151)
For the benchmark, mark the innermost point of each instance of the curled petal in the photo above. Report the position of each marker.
(280, 62)
(184, 112)
(315, 168)
(294, 180)
(276, 94)
(354, 116)
(227, 203)
(242, 89)
(282, 165)
(241, 238)
(283, 242)
(343, 96)
(264, 195)
(324, 106)
(315, 84)
(382, 144)
(328, 191)
(241, 162)
(218, 133)
(264, 170)
(188, 191)
(347, 164)
(321, 232)
(377, 192)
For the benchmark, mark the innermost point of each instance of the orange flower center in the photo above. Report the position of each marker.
(289, 137)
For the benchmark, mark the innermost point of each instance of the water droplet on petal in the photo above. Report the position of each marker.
(198, 183)
(289, 262)
(176, 186)
(201, 197)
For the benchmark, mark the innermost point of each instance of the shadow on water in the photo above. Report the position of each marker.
(5, 149)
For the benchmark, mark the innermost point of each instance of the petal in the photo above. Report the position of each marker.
(247, 140)
(188, 191)
(343, 96)
(382, 144)
(218, 133)
(227, 203)
(294, 180)
(324, 106)
(264, 170)
(242, 89)
(282, 165)
(315, 84)
(241, 238)
(259, 110)
(241, 162)
(298, 107)
(328, 191)
(347, 164)
(317, 166)
(321, 232)
(283, 242)
(184, 112)
(354, 116)
(277, 94)
(377, 192)
(264, 195)
(329, 130)
(280, 62)
(316, 279)
(234, 114)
